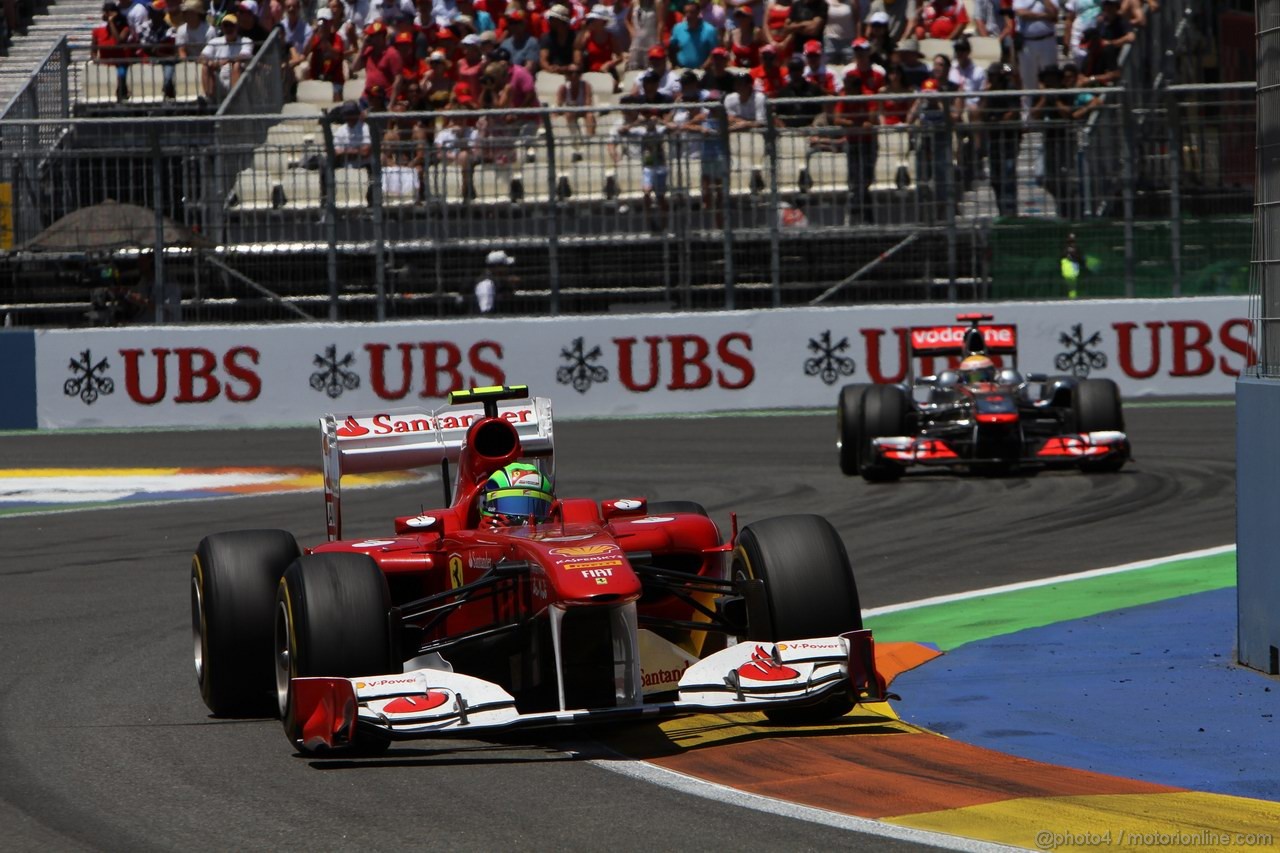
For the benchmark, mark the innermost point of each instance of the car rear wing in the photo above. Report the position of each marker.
(400, 439)
(959, 340)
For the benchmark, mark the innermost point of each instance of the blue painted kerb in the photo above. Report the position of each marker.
(17, 379)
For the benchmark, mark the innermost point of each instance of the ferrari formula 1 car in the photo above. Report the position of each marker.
(992, 426)
(457, 622)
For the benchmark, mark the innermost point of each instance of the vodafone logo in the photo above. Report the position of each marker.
(946, 337)
(762, 667)
(416, 704)
(351, 428)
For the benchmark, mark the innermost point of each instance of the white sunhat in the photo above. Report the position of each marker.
(498, 258)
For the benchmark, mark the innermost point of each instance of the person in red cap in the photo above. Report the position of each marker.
(815, 69)
(719, 77)
(381, 63)
(936, 118)
(413, 69)
(860, 118)
(668, 78)
(770, 75)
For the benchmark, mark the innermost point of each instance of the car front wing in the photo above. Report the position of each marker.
(426, 703)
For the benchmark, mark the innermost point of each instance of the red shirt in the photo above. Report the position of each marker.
(942, 20)
(322, 67)
(769, 83)
(381, 69)
(858, 82)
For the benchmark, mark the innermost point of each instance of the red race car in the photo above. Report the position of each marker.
(509, 607)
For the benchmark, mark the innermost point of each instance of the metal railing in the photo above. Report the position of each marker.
(604, 214)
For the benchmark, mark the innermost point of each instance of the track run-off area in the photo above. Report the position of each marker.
(105, 744)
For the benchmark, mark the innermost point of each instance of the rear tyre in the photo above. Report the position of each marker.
(1097, 407)
(849, 436)
(884, 412)
(233, 589)
(332, 618)
(810, 590)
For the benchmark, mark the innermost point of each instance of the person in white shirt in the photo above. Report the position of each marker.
(352, 142)
(224, 58)
(745, 106)
(139, 18)
(496, 264)
(1037, 28)
(194, 32)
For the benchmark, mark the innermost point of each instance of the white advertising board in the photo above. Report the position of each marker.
(205, 376)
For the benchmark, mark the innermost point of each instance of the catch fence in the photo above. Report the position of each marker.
(1145, 192)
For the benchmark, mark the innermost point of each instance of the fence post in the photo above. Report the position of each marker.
(1175, 190)
(330, 213)
(553, 221)
(159, 295)
(950, 198)
(379, 231)
(775, 227)
(1127, 178)
(730, 297)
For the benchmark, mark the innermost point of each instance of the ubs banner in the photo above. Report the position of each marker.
(657, 363)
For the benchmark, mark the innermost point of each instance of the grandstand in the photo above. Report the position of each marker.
(283, 233)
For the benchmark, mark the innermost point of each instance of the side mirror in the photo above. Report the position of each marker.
(1037, 377)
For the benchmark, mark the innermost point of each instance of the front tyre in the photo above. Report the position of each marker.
(1097, 408)
(849, 434)
(884, 413)
(332, 619)
(810, 590)
(233, 588)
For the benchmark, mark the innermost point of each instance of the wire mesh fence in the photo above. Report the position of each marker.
(299, 210)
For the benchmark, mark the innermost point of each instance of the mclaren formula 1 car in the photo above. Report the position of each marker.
(456, 622)
(989, 425)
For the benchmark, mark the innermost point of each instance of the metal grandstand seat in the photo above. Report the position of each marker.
(401, 186)
(302, 189)
(295, 133)
(301, 108)
(986, 49)
(547, 84)
(97, 83)
(350, 188)
(352, 90)
(602, 87)
(929, 48)
(827, 171)
(793, 155)
(318, 92)
(275, 159)
(186, 81)
(256, 189)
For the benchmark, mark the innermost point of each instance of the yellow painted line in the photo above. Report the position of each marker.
(1182, 820)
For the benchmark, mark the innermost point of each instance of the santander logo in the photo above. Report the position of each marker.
(762, 667)
(351, 428)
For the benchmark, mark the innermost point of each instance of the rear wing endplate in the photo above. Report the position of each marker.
(400, 439)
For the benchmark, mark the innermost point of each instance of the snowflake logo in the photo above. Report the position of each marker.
(333, 377)
(828, 363)
(1080, 357)
(580, 373)
(88, 383)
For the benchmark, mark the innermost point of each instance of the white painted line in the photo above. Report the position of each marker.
(665, 778)
(1013, 587)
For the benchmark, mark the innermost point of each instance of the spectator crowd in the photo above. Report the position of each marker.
(700, 64)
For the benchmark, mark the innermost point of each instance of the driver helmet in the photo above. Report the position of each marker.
(518, 491)
(977, 368)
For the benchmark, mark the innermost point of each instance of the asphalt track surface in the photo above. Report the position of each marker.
(104, 743)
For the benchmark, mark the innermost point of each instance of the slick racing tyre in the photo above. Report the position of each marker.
(810, 591)
(1097, 408)
(233, 591)
(332, 619)
(884, 412)
(849, 438)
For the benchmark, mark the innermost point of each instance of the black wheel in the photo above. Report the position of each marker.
(884, 412)
(1097, 409)
(671, 507)
(233, 592)
(810, 590)
(849, 438)
(332, 619)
